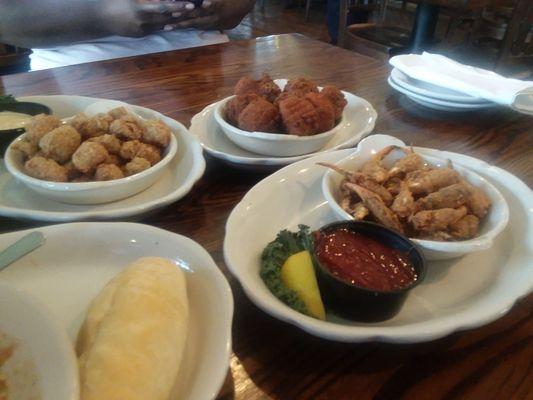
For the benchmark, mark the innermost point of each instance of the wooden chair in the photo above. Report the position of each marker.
(375, 39)
(13, 59)
(517, 42)
(503, 35)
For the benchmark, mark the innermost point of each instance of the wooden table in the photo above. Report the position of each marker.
(273, 360)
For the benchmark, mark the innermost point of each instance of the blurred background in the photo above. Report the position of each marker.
(493, 34)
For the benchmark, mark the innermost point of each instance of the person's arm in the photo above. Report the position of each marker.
(217, 14)
(28, 23)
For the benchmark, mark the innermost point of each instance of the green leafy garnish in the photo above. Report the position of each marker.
(274, 255)
(7, 99)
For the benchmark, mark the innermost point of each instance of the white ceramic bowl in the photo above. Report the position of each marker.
(93, 192)
(42, 349)
(491, 226)
(273, 144)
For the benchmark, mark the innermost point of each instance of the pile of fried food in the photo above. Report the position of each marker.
(104, 147)
(413, 198)
(300, 109)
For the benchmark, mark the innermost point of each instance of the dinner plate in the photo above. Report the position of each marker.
(360, 121)
(78, 259)
(456, 294)
(37, 341)
(187, 167)
(432, 91)
(441, 105)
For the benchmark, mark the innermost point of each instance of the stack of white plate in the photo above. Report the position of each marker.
(435, 97)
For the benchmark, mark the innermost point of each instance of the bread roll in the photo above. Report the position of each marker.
(131, 343)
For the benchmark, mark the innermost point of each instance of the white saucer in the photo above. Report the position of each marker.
(187, 167)
(360, 121)
(456, 294)
(78, 259)
(441, 105)
(432, 91)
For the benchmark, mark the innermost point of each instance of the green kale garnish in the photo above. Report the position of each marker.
(7, 99)
(274, 255)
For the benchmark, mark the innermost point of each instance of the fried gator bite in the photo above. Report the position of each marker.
(88, 156)
(60, 143)
(39, 126)
(43, 168)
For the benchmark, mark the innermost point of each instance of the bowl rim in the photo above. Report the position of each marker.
(221, 120)
(480, 242)
(82, 186)
(421, 274)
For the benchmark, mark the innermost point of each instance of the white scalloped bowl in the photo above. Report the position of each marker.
(94, 192)
(273, 144)
(492, 225)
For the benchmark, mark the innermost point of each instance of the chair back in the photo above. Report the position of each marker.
(518, 38)
(13, 59)
(377, 8)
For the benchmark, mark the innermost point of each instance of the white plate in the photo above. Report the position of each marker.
(433, 91)
(456, 294)
(187, 167)
(360, 119)
(40, 342)
(441, 105)
(77, 261)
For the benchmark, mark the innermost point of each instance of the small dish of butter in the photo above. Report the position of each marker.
(14, 116)
(13, 120)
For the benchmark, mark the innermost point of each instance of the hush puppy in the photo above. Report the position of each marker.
(236, 105)
(309, 115)
(337, 99)
(88, 156)
(246, 85)
(300, 86)
(268, 88)
(39, 126)
(259, 116)
(60, 143)
(264, 87)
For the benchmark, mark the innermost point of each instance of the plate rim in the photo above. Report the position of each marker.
(277, 161)
(367, 333)
(222, 281)
(195, 174)
(402, 79)
(452, 106)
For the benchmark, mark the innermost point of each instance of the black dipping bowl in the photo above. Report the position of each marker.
(8, 135)
(358, 303)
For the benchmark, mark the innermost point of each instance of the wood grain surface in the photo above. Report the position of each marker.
(273, 360)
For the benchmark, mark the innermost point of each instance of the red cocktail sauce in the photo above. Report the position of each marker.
(363, 261)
